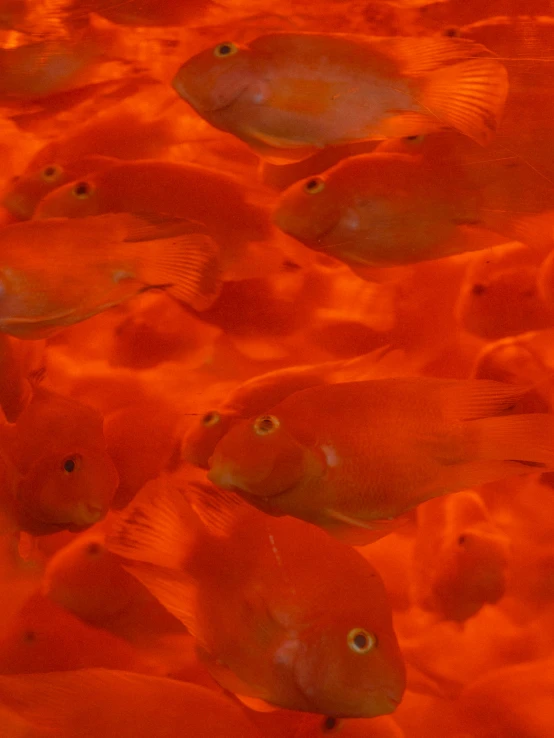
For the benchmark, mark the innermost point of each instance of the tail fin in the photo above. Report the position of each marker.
(468, 96)
(524, 439)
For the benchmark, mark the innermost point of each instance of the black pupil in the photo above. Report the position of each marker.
(329, 723)
(209, 418)
(225, 49)
(461, 540)
(81, 188)
(478, 289)
(266, 424)
(69, 465)
(312, 184)
(49, 171)
(94, 548)
(360, 641)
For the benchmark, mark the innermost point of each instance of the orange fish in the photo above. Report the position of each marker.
(217, 200)
(500, 296)
(44, 637)
(90, 582)
(289, 94)
(461, 557)
(384, 210)
(57, 473)
(244, 578)
(25, 191)
(102, 703)
(515, 700)
(42, 68)
(92, 264)
(258, 393)
(354, 456)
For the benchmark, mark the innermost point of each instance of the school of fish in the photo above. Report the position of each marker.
(276, 369)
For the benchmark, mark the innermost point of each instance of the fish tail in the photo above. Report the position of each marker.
(468, 96)
(527, 440)
(188, 267)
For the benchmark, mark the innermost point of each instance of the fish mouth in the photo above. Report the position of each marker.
(197, 104)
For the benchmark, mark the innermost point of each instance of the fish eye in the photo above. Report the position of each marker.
(452, 32)
(227, 48)
(461, 540)
(211, 418)
(478, 289)
(265, 424)
(69, 464)
(415, 139)
(361, 641)
(82, 190)
(329, 724)
(314, 185)
(51, 173)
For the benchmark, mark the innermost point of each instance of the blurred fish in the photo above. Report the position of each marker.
(90, 582)
(43, 637)
(302, 654)
(24, 192)
(57, 473)
(545, 282)
(500, 296)
(101, 703)
(44, 67)
(317, 456)
(460, 557)
(516, 700)
(217, 200)
(92, 264)
(288, 94)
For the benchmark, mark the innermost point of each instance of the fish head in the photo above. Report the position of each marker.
(259, 457)
(26, 191)
(73, 200)
(200, 440)
(345, 671)
(215, 78)
(71, 491)
(308, 211)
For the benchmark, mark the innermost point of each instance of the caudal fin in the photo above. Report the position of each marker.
(468, 96)
(527, 440)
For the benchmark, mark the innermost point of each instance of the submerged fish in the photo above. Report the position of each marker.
(305, 622)
(354, 456)
(57, 272)
(390, 209)
(57, 474)
(105, 703)
(289, 94)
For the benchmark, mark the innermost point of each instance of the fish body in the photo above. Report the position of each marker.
(112, 258)
(289, 94)
(105, 703)
(276, 638)
(57, 472)
(460, 557)
(352, 457)
(385, 209)
(215, 199)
